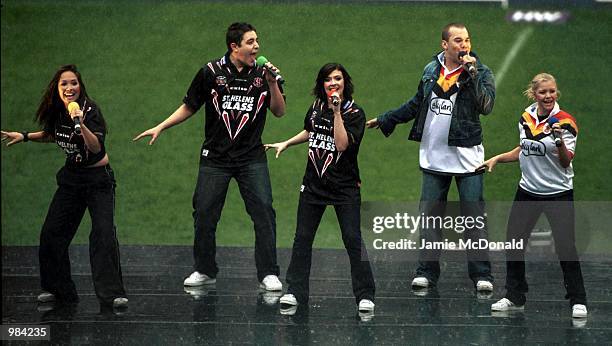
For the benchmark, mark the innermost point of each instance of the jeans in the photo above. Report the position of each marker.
(78, 190)
(434, 194)
(208, 199)
(559, 211)
(308, 218)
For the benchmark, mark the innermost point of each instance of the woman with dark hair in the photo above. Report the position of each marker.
(334, 126)
(545, 153)
(71, 119)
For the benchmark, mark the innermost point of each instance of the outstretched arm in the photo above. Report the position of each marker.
(181, 114)
(17, 137)
(282, 146)
(509, 156)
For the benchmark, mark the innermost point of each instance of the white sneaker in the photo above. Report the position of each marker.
(270, 297)
(484, 285)
(271, 283)
(579, 311)
(288, 299)
(366, 305)
(420, 282)
(120, 302)
(366, 316)
(290, 310)
(505, 304)
(197, 279)
(46, 297)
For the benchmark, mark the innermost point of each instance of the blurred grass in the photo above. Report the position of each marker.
(138, 59)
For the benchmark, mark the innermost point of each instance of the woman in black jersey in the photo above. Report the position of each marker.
(333, 128)
(72, 120)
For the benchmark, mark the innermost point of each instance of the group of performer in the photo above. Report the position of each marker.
(236, 92)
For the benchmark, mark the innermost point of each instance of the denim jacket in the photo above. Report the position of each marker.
(475, 96)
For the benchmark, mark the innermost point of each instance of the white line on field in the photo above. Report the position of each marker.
(518, 44)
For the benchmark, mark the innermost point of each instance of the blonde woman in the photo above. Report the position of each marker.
(547, 145)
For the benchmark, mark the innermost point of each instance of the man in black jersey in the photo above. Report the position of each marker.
(236, 94)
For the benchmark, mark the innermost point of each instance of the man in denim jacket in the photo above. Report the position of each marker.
(454, 90)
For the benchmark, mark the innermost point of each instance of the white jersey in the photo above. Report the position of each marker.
(541, 171)
(434, 153)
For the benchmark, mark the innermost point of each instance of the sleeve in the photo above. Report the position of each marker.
(483, 89)
(354, 124)
(406, 112)
(95, 121)
(307, 121)
(570, 141)
(198, 90)
(570, 131)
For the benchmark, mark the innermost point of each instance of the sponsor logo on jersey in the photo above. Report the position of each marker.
(533, 148)
(221, 80)
(441, 106)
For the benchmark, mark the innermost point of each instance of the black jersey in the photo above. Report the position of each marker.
(236, 107)
(77, 153)
(332, 177)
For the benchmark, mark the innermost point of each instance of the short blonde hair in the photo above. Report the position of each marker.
(535, 83)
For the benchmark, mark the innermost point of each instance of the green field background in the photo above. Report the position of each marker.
(139, 57)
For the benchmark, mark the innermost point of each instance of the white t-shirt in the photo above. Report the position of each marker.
(434, 153)
(541, 171)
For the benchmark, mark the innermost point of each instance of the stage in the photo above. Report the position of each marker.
(234, 311)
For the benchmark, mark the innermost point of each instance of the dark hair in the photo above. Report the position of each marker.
(446, 29)
(318, 90)
(51, 105)
(235, 32)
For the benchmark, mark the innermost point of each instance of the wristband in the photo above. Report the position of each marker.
(25, 136)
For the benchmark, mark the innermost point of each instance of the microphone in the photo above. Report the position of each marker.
(72, 107)
(551, 121)
(333, 94)
(262, 61)
(469, 66)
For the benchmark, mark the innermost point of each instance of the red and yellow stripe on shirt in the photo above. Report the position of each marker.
(566, 121)
(446, 82)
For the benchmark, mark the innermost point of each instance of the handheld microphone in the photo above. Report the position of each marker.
(262, 61)
(551, 121)
(333, 94)
(72, 107)
(469, 66)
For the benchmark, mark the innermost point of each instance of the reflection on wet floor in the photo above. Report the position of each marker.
(162, 311)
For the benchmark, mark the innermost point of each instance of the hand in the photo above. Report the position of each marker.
(154, 132)
(372, 123)
(280, 147)
(269, 77)
(77, 114)
(489, 164)
(556, 127)
(13, 137)
(335, 108)
(466, 59)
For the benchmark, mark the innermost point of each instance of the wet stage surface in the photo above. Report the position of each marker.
(235, 311)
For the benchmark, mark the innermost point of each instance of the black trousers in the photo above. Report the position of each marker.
(559, 211)
(208, 200)
(80, 189)
(308, 218)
